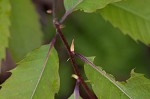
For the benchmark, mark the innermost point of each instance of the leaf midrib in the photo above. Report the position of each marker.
(41, 73)
(99, 70)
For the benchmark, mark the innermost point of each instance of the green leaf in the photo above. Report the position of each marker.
(33, 80)
(26, 33)
(4, 26)
(87, 5)
(105, 86)
(131, 17)
(71, 4)
(137, 86)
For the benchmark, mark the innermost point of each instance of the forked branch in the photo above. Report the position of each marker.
(72, 59)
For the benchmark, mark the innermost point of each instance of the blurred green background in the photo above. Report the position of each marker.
(115, 52)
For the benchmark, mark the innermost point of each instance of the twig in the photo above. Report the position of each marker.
(54, 8)
(68, 12)
(87, 61)
(72, 59)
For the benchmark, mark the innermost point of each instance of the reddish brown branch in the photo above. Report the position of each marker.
(72, 59)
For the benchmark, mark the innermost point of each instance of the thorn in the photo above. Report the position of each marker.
(88, 81)
(61, 26)
(68, 59)
(75, 76)
(72, 46)
(55, 22)
(49, 11)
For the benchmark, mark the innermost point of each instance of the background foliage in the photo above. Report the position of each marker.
(25, 26)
